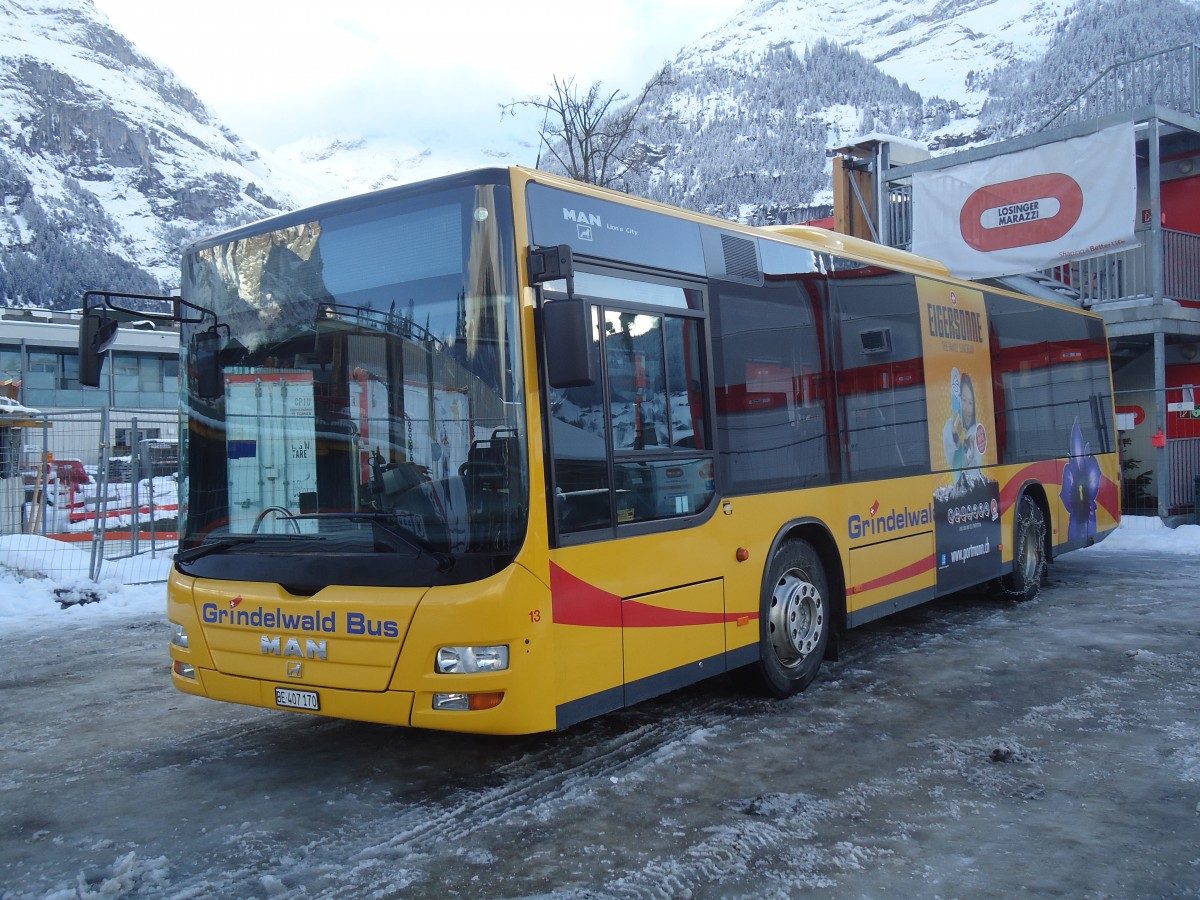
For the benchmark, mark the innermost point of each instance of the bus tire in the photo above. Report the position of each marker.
(1024, 582)
(794, 621)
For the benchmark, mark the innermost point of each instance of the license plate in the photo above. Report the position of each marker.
(297, 699)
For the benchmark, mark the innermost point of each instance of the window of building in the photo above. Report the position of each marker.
(10, 364)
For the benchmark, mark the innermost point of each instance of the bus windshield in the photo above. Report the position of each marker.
(365, 400)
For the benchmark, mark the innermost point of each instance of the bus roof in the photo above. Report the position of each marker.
(812, 237)
(866, 251)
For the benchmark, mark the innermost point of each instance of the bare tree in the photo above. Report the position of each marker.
(591, 135)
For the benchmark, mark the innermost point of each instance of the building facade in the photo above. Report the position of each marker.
(138, 398)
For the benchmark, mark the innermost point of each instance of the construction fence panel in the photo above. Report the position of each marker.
(90, 494)
(1160, 468)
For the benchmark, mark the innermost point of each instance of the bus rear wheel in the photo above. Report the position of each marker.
(794, 621)
(1029, 551)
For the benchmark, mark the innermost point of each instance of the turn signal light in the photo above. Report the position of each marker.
(465, 702)
(485, 701)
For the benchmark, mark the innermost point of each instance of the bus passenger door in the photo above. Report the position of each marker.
(630, 464)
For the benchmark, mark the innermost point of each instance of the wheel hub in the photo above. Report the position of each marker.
(796, 620)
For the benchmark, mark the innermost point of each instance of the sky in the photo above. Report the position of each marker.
(33, 567)
(277, 71)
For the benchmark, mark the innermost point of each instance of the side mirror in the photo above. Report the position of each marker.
(96, 334)
(567, 330)
(206, 363)
(552, 264)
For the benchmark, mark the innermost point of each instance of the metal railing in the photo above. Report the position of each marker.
(899, 216)
(1183, 460)
(1181, 265)
(1167, 78)
(1128, 274)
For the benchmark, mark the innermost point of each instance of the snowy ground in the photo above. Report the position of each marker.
(971, 748)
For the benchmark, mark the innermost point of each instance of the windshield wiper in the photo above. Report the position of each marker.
(219, 545)
(391, 525)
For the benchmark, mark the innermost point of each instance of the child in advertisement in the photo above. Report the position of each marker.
(964, 439)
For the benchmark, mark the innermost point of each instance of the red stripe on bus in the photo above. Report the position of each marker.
(1108, 499)
(575, 602)
(643, 615)
(910, 571)
(1044, 472)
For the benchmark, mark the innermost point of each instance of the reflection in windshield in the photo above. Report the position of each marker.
(369, 383)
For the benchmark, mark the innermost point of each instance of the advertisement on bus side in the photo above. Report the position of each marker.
(961, 433)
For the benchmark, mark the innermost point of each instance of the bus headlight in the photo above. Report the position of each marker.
(179, 635)
(467, 660)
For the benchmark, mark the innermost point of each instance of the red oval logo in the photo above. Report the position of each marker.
(1034, 210)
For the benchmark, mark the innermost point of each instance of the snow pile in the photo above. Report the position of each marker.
(1147, 533)
(44, 584)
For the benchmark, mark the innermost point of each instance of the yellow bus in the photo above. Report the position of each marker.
(500, 452)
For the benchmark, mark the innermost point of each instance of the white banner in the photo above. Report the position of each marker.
(1031, 209)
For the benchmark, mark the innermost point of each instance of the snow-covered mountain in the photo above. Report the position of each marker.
(939, 48)
(331, 166)
(108, 163)
(743, 131)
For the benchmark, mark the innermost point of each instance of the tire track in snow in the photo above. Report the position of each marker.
(420, 830)
(548, 777)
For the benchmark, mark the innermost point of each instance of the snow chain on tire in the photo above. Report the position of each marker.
(1023, 522)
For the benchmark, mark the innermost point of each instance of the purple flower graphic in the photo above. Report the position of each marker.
(1080, 487)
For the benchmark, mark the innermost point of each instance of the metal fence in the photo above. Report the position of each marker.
(1127, 274)
(1168, 78)
(1140, 494)
(90, 494)
(1159, 471)
(1183, 458)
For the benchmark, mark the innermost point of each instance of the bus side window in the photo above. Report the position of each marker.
(880, 381)
(657, 475)
(577, 435)
(773, 383)
(636, 392)
(647, 414)
(1051, 371)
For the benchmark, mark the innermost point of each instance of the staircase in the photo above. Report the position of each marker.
(1167, 79)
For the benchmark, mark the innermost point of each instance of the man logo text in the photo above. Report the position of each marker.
(311, 649)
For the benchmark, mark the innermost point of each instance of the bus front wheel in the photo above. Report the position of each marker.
(1029, 551)
(794, 621)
